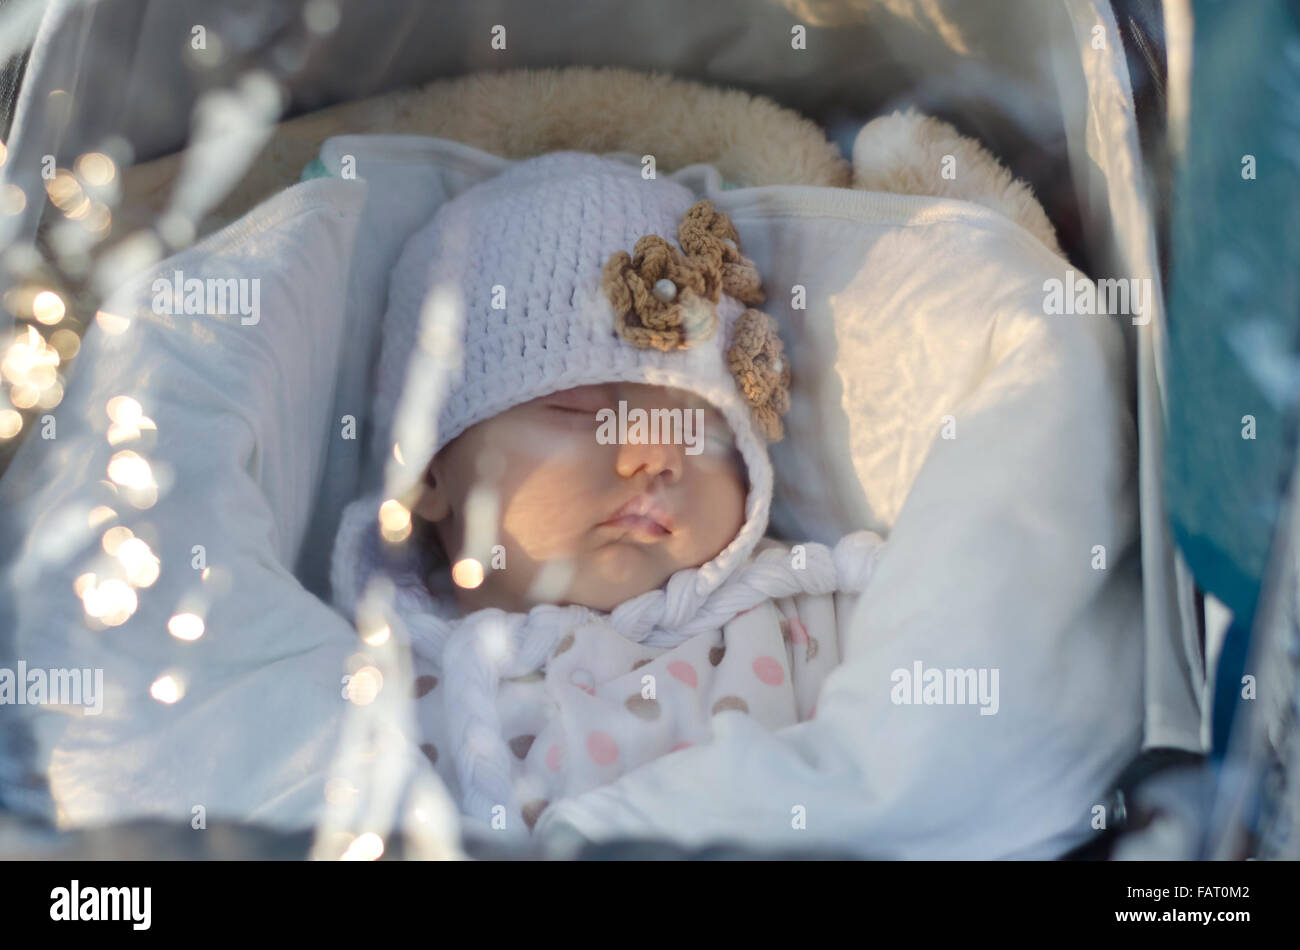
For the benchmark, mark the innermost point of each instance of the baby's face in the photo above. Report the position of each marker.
(610, 521)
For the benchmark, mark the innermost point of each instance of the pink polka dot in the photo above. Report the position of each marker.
(769, 671)
(680, 745)
(684, 672)
(553, 756)
(798, 632)
(602, 748)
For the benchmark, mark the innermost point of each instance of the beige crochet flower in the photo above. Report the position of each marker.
(757, 361)
(661, 298)
(709, 235)
(665, 298)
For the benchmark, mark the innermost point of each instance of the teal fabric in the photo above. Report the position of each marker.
(1234, 327)
(1234, 316)
(314, 169)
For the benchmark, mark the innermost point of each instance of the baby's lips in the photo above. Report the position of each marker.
(645, 506)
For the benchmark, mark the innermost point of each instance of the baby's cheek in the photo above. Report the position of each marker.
(717, 513)
(547, 508)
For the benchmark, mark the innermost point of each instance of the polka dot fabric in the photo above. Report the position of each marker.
(604, 705)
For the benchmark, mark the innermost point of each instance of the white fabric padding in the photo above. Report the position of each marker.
(928, 308)
(243, 421)
(413, 175)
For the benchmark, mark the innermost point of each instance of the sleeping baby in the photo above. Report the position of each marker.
(581, 570)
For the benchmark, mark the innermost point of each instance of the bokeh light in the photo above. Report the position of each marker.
(11, 423)
(166, 689)
(48, 308)
(364, 686)
(185, 626)
(139, 562)
(95, 169)
(365, 847)
(111, 602)
(130, 470)
(394, 520)
(467, 573)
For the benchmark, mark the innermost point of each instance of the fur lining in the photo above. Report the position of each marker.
(519, 113)
(904, 153)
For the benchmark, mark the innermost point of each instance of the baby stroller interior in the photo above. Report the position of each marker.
(172, 486)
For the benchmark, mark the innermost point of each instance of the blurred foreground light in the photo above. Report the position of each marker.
(114, 537)
(129, 470)
(29, 361)
(467, 573)
(139, 562)
(11, 423)
(378, 636)
(95, 168)
(66, 194)
(185, 626)
(12, 200)
(47, 307)
(322, 16)
(364, 686)
(66, 343)
(50, 396)
(112, 602)
(99, 514)
(339, 791)
(394, 520)
(128, 419)
(24, 395)
(124, 410)
(98, 218)
(366, 847)
(143, 498)
(165, 689)
(176, 229)
(112, 323)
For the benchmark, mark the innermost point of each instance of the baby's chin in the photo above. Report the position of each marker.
(619, 573)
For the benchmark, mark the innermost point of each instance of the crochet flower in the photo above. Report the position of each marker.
(757, 361)
(661, 298)
(709, 235)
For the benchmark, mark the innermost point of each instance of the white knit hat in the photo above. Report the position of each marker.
(517, 289)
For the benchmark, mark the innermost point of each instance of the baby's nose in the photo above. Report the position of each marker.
(658, 460)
